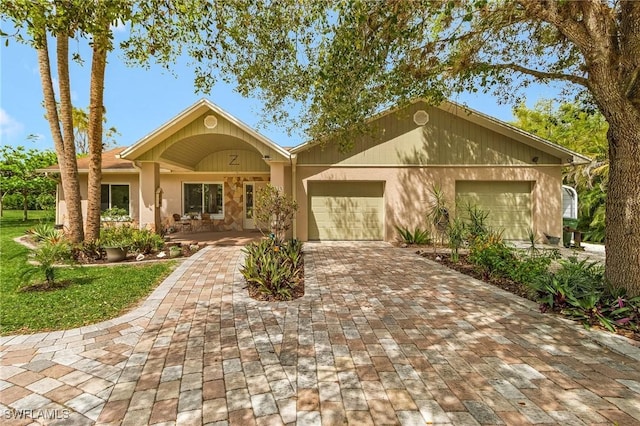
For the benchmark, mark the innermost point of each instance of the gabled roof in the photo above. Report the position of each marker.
(186, 117)
(566, 155)
(111, 162)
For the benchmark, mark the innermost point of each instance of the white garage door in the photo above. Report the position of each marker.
(346, 210)
(508, 204)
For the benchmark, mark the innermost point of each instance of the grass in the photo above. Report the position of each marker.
(93, 294)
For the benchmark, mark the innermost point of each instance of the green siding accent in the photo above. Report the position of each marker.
(233, 160)
(346, 210)
(444, 140)
(194, 141)
(508, 205)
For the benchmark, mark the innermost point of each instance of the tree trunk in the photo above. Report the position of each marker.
(96, 112)
(25, 206)
(623, 201)
(65, 148)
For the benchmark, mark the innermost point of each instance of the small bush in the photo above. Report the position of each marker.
(496, 258)
(492, 254)
(145, 241)
(46, 256)
(456, 236)
(45, 232)
(579, 290)
(273, 268)
(476, 219)
(116, 236)
(274, 210)
(418, 236)
(115, 214)
(530, 268)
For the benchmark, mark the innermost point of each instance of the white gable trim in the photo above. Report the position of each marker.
(186, 117)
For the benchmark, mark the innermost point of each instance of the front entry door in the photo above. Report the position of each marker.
(250, 189)
(248, 222)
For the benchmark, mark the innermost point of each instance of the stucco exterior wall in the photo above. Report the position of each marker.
(407, 191)
(130, 179)
(172, 199)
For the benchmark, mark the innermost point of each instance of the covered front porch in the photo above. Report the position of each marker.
(199, 172)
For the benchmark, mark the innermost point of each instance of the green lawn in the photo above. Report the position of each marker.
(93, 295)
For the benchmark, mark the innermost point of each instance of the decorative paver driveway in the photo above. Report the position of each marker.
(382, 336)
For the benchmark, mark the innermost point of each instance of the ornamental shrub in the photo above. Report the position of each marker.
(273, 268)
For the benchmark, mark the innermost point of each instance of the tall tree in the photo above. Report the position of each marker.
(42, 19)
(18, 174)
(581, 129)
(39, 22)
(347, 60)
(159, 28)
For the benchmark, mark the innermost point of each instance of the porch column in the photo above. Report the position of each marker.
(277, 174)
(149, 206)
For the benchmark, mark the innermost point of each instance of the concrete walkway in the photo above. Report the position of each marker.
(382, 336)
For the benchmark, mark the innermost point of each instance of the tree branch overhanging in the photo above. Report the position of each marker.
(540, 74)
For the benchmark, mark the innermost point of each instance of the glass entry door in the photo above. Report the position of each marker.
(250, 190)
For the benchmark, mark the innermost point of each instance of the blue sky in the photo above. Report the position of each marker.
(138, 100)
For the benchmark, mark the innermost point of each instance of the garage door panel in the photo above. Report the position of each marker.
(346, 211)
(508, 204)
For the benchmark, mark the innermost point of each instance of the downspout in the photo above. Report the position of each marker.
(294, 192)
(57, 219)
(136, 164)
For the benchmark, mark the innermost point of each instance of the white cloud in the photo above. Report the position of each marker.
(9, 126)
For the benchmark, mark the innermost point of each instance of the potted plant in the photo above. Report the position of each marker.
(175, 251)
(116, 241)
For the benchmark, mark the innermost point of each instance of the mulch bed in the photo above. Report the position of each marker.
(131, 257)
(467, 268)
(28, 241)
(297, 292)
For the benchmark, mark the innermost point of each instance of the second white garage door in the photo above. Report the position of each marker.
(346, 210)
(508, 204)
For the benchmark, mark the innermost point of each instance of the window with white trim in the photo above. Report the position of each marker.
(114, 195)
(206, 197)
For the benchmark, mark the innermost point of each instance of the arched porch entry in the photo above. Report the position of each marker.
(205, 163)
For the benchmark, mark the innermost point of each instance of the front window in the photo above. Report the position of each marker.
(204, 198)
(114, 196)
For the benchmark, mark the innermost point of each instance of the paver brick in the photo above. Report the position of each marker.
(242, 417)
(25, 378)
(378, 339)
(113, 411)
(214, 410)
(83, 403)
(165, 410)
(359, 418)
(264, 404)
(137, 417)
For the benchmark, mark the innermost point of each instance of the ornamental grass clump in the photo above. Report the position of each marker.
(272, 269)
(46, 257)
(418, 236)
